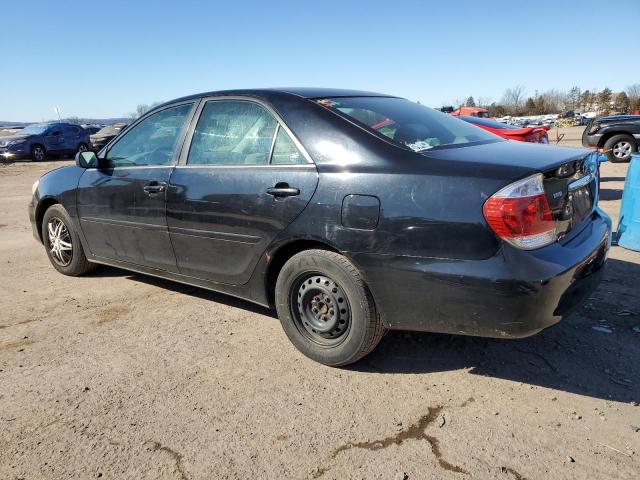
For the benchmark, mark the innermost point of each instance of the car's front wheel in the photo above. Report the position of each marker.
(326, 309)
(62, 243)
(38, 153)
(83, 147)
(620, 147)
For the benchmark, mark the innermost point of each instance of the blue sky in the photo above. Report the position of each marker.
(101, 59)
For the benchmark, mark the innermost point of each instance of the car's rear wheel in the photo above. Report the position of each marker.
(620, 147)
(326, 309)
(38, 153)
(82, 147)
(62, 243)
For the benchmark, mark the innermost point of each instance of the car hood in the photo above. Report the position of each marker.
(10, 138)
(511, 155)
(101, 137)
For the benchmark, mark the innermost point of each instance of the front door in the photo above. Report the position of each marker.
(122, 205)
(241, 182)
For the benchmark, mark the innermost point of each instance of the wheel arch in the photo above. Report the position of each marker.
(280, 256)
(43, 206)
(605, 138)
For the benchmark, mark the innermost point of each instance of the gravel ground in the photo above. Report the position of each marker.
(117, 375)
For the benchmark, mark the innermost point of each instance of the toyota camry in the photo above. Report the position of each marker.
(351, 213)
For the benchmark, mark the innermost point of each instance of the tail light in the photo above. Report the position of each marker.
(520, 214)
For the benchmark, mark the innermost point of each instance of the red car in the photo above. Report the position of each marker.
(535, 134)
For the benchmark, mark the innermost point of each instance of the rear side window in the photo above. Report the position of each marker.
(285, 151)
(152, 141)
(408, 124)
(232, 132)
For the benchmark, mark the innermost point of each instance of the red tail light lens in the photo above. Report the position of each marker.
(520, 214)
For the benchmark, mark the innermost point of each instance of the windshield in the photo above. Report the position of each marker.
(33, 130)
(488, 123)
(406, 123)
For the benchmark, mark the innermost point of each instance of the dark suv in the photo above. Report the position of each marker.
(39, 140)
(617, 135)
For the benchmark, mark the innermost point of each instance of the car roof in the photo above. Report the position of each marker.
(301, 92)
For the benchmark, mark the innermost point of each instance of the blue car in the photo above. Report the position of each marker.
(39, 140)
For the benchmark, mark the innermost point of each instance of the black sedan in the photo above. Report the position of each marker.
(349, 212)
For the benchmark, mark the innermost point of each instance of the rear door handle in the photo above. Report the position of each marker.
(283, 190)
(153, 188)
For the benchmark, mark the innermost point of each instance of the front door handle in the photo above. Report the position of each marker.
(153, 188)
(283, 190)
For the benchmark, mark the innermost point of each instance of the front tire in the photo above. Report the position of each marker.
(83, 147)
(620, 147)
(38, 153)
(62, 243)
(326, 309)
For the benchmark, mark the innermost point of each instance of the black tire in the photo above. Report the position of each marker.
(74, 262)
(619, 148)
(82, 147)
(355, 328)
(38, 153)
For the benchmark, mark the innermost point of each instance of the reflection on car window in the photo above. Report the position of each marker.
(232, 132)
(285, 151)
(152, 141)
(406, 123)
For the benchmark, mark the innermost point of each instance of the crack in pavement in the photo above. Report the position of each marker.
(416, 431)
(157, 446)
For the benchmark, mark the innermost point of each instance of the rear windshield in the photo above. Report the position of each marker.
(408, 124)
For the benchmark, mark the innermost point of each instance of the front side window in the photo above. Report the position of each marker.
(408, 124)
(232, 132)
(152, 141)
(285, 151)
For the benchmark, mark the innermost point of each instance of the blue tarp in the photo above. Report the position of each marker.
(629, 224)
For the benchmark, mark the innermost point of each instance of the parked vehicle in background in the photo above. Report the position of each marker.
(91, 129)
(349, 212)
(105, 135)
(40, 140)
(618, 136)
(471, 112)
(533, 134)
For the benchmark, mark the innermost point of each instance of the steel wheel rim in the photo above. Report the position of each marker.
(320, 309)
(38, 152)
(59, 239)
(621, 149)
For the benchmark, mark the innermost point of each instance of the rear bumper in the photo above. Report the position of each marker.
(512, 294)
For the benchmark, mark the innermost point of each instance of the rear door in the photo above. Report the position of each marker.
(122, 206)
(243, 179)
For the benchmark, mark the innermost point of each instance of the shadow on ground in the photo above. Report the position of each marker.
(571, 356)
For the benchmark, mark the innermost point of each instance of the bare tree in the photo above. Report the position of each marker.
(633, 91)
(483, 102)
(513, 97)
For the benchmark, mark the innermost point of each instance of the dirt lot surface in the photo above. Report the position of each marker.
(117, 375)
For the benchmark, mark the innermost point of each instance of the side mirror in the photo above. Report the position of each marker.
(87, 159)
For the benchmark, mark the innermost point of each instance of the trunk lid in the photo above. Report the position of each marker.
(572, 191)
(570, 174)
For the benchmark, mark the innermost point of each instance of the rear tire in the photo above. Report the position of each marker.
(619, 148)
(83, 147)
(326, 309)
(62, 243)
(38, 153)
